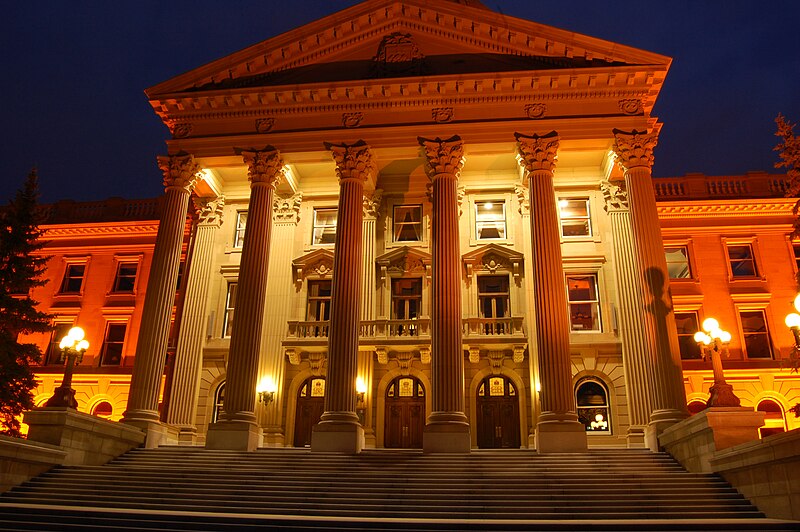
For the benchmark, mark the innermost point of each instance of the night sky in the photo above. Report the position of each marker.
(74, 75)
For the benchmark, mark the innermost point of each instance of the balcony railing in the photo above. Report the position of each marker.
(493, 326)
(399, 329)
(701, 186)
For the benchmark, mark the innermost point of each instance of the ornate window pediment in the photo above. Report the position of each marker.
(318, 263)
(403, 261)
(492, 258)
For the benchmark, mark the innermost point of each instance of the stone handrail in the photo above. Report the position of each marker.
(701, 186)
(511, 326)
(315, 330)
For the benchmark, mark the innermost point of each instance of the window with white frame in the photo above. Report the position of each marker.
(584, 302)
(325, 226)
(687, 324)
(742, 261)
(490, 220)
(757, 342)
(407, 223)
(73, 278)
(406, 303)
(678, 266)
(230, 305)
(125, 278)
(241, 224)
(594, 411)
(113, 342)
(575, 217)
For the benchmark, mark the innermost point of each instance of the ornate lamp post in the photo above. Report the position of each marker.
(712, 342)
(793, 322)
(72, 348)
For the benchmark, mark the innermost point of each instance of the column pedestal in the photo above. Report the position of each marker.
(560, 437)
(446, 437)
(335, 437)
(234, 436)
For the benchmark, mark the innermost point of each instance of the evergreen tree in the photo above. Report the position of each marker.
(789, 152)
(20, 271)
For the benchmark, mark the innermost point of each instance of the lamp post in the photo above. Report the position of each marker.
(712, 341)
(793, 322)
(72, 347)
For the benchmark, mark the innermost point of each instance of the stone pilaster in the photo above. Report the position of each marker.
(238, 428)
(339, 429)
(558, 428)
(635, 153)
(181, 172)
(636, 354)
(447, 428)
(189, 352)
(372, 207)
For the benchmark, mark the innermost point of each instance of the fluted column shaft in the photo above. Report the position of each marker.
(180, 175)
(189, 352)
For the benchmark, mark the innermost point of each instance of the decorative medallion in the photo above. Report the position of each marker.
(181, 131)
(442, 114)
(397, 47)
(631, 107)
(264, 125)
(351, 120)
(535, 110)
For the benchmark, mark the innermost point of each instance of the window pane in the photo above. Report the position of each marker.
(73, 279)
(53, 355)
(593, 407)
(112, 345)
(687, 325)
(490, 219)
(584, 304)
(319, 301)
(574, 215)
(241, 224)
(324, 226)
(230, 306)
(407, 223)
(742, 261)
(678, 262)
(757, 343)
(126, 277)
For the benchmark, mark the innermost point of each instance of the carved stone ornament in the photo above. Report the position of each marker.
(442, 115)
(535, 111)
(523, 199)
(209, 210)
(264, 166)
(397, 47)
(323, 268)
(264, 125)
(538, 152)
(631, 107)
(615, 195)
(372, 203)
(181, 131)
(407, 265)
(287, 209)
(443, 156)
(635, 148)
(179, 170)
(492, 261)
(351, 120)
(353, 161)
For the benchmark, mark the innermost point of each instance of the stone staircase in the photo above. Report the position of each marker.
(186, 488)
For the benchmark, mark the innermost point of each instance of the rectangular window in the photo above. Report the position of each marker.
(584, 304)
(325, 226)
(687, 324)
(230, 304)
(757, 342)
(406, 304)
(241, 223)
(796, 250)
(73, 279)
(678, 262)
(53, 355)
(742, 261)
(490, 220)
(493, 301)
(319, 301)
(181, 268)
(112, 344)
(407, 223)
(125, 280)
(574, 215)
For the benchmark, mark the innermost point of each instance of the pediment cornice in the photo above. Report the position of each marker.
(318, 262)
(492, 258)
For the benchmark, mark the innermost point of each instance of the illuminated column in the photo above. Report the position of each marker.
(189, 352)
(558, 428)
(372, 207)
(635, 347)
(238, 429)
(339, 429)
(635, 153)
(181, 173)
(447, 427)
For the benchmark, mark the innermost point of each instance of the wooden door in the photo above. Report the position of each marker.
(405, 414)
(310, 406)
(498, 414)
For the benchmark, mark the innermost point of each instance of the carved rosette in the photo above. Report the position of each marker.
(353, 161)
(264, 167)
(635, 148)
(615, 195)
(442, 115)
(538, 152)
(264, 125)
(372, 203)
(443, 156)
(180, 171)
(351, 120)
(523, 199)
(209, 210)
(287, 209)
(631, 107)
(534, 111)
(180, 130)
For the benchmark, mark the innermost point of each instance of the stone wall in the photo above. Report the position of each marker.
(21, 460)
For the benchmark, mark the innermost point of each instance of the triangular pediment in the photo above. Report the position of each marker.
(393, 39)
(492, 258)
(318, 263)
(404, 260)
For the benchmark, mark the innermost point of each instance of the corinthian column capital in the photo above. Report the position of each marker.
(209, 210)
(180, 171)
(353, 161)
(443, 156)
(635, 148)
(264, 167)
(615, 196)
(287, 209)
(538, 152)
(372, 203)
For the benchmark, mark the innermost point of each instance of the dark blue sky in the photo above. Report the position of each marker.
(74, 75)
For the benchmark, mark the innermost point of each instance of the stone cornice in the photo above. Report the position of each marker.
(121, 229)
(736, 208)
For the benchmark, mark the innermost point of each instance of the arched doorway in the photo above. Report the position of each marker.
(310, 406)
(405, 413)
(498, 414)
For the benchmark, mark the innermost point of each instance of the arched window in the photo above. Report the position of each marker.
(594, 411)
(219, 400)
(103, 409)
(774, 422)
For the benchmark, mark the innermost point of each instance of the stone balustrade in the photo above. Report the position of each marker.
(701, 186)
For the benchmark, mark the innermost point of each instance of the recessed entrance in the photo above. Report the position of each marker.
(405, 413)
(498, 414)
(310, 406)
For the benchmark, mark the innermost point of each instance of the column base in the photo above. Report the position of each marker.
(332, 437)
(233, 436)
(446, 438)
(561, 437)
(157, 433)
(636, 437)
(187, 435)
(274, 437)
(660, 420)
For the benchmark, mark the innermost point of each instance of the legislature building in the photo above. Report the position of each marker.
(422, 224)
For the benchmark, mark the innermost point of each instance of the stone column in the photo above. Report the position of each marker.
(635, 153)
(558, 428)
(181, 172)
(447, 427)
(238, 429)
(636, 353)
(372, 207)
(339, 429)
(189, 352)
